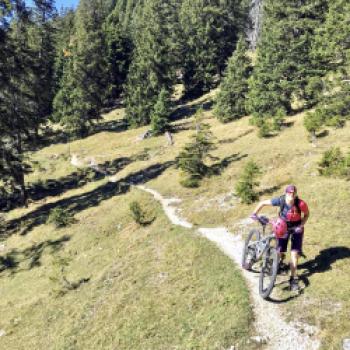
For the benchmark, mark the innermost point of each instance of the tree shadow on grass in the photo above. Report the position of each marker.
(77, 179)
(321, 134)
(52, 137)
(286, 125)
(83, 201)
(217, 168)
(270, 190)
(184, 111)
(31, 256)
(234, 139)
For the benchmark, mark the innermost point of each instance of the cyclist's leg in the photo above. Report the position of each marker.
(296, 249)
(282, 244)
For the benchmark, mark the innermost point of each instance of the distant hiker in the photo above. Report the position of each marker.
(295, 213)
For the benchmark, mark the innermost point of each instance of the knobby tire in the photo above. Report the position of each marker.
(268, 272)
(254, 235)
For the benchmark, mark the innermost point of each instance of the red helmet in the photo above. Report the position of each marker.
(279, 227)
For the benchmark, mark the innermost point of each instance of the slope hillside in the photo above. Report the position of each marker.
(133, 287)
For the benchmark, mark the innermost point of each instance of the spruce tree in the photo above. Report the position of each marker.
(230, 102)
(63, 35)
(85, 88)
(18, 105)
(332, 48)
(209, 31)
(191, 158)
(152, 67)
(284, 63)
(43, 46)
(119, 48)
(245, 187)
(161, 113)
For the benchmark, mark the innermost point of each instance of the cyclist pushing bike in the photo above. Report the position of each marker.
(294, 212)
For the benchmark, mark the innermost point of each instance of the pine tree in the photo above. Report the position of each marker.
(209, 32)
(18, 105)
(152, 67)
(43, 46)
(119, 47)
(332, 48)
(284, 63)
(85, 88)
(63, 34)
(230, 102)
(245, 187)
(161, 113)
(191, 158)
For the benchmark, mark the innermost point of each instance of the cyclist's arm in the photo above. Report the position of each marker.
(305, 218)
(261, 205)
(305, 210)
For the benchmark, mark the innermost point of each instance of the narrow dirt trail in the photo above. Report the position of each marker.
(270, 326)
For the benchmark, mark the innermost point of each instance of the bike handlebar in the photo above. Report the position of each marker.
(263, 220)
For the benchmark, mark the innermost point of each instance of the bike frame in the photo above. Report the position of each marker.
(263, 243)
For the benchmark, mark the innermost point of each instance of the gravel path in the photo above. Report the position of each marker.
(270, 326)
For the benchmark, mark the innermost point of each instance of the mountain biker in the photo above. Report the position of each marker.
(295, 213)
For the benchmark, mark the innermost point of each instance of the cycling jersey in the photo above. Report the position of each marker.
(291, 214)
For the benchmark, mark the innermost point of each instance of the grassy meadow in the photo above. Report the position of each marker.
(107, 283)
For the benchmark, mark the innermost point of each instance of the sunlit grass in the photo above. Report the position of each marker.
(287, 158)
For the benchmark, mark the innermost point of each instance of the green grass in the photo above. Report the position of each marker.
(150, 287)
(174, 270)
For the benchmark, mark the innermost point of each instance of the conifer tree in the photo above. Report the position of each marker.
(191, 158)
(85, 89)
(43, 46)
(152, 67)
(63, 35)
(284, 64)
(119, 47)
(209, 32)
(332, 48)
(230, 102)
(245, 187)
(18, 105)
(161, 113)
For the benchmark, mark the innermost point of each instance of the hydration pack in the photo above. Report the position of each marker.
(283, 203)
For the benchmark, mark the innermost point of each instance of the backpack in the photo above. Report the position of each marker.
(283, 202)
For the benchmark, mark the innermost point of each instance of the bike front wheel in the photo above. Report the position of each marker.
(268, 272)
(249, 250)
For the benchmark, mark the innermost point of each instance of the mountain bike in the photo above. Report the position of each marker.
(260, 247)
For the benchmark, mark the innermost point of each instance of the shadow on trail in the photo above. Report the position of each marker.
(77, 179)
(83, 201)
(31, 256)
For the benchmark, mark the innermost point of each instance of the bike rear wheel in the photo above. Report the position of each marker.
(249, 250)
(268, 272)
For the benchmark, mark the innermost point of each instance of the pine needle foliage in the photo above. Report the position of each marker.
(245, 187)
(161, 113)
(231, 100)
(285, 65)
(334, 163)
(191, 158)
